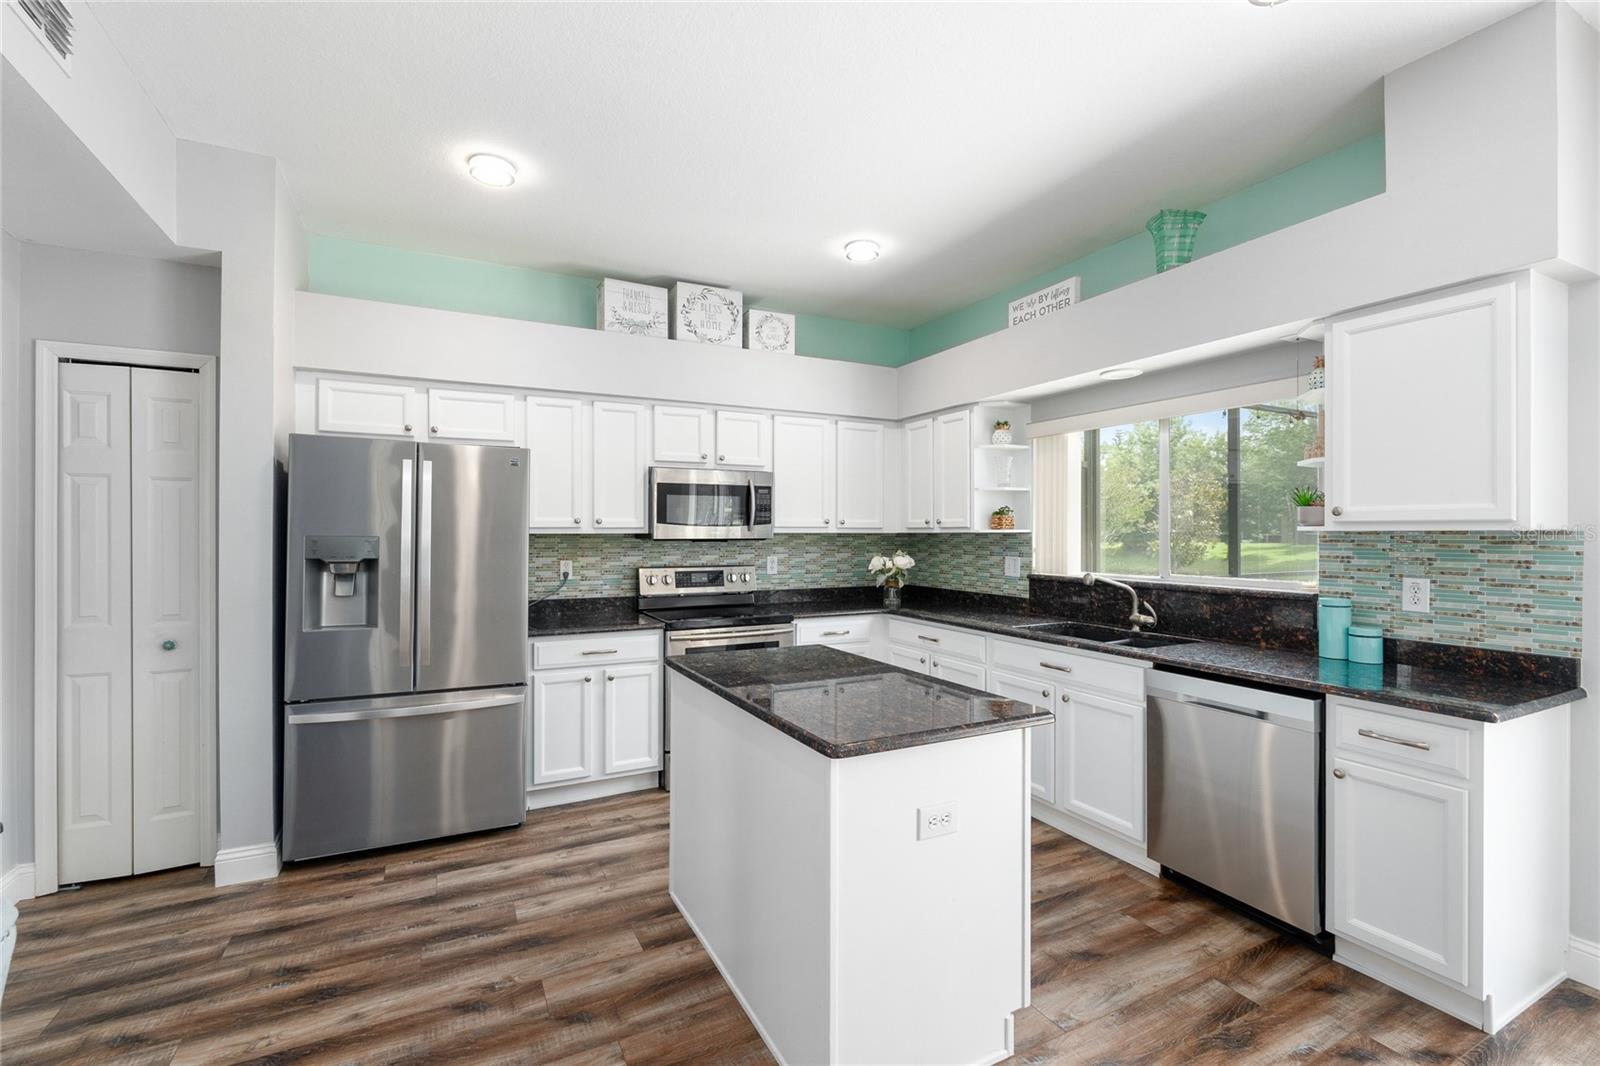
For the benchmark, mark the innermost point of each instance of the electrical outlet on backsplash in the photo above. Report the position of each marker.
(609, 565)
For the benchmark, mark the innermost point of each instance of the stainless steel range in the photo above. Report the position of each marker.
(708, 608)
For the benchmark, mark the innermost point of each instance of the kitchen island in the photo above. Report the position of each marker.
(850, 842)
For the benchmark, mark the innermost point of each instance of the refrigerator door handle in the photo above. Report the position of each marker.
(375, 713)
(407, 533)
(425, 567)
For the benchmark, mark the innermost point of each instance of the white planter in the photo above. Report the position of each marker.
(1000, 436)
(1309, 516)
(769, 331)
(628, 307)
(707, 314)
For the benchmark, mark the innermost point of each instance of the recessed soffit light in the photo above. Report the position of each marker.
(862, 251)
(1121, 373)
(492, 170)
(1267, 3)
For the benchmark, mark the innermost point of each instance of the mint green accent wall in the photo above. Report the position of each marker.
(374, 272)
(1324, 184)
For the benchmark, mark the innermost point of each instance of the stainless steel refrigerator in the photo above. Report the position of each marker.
(405, 645)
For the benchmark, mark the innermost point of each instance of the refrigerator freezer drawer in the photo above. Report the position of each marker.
(369, 773)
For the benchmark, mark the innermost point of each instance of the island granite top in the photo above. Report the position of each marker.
(843, 705)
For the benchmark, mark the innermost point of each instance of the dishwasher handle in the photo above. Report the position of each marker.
(1238, 709)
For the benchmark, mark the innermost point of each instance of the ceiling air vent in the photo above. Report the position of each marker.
(52, 24)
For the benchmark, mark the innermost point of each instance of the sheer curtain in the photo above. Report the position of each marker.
(1057, 488)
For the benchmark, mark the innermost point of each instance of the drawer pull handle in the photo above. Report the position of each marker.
(1372, 734)
(930, 640)
(601, 651)
(1339, 774)
(1055, 666)
(836, 632)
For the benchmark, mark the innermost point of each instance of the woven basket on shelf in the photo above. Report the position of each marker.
(1002, 521)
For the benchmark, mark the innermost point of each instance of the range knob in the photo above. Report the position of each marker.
(667, 578)
(651, 580)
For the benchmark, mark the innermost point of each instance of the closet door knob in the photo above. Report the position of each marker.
(169, 645)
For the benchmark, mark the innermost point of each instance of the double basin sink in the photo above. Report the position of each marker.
(1110, 636)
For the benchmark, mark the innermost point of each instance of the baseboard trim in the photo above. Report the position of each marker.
(1097, 838)
(727, 978)
(1583, 961)
(253, 862)
(560, 795)
(1453, 1001)
(17, 884)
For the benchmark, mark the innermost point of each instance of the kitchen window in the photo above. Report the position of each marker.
(1202, 496)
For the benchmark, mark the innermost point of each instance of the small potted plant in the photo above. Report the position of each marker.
(1003, 518)
(1307, 505)
(1002, 433)
(889, 571)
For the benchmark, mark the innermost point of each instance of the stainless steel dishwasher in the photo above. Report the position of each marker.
(1235, 792)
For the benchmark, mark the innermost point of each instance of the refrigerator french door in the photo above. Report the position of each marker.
(405, 653)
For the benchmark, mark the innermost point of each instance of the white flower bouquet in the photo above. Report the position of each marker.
(890, 570)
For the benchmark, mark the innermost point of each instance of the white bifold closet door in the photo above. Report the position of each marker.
(130, 582)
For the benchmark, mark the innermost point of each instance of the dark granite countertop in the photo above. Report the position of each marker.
(843, 705)
(1457, 691)
(557, 618)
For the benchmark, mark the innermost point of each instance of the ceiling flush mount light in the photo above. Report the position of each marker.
(1267, 3)
(862, 251)
(1121, 373)
(492, 170)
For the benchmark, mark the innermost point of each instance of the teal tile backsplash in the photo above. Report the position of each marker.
(1508, 591)
(608, 565)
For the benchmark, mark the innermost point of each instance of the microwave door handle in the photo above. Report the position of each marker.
(750, 515)
(425, 566)
(407, 533)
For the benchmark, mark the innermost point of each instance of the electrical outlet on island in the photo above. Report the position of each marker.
(936, 821)
(1414, 595)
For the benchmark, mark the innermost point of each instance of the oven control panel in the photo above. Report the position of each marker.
(695, 580)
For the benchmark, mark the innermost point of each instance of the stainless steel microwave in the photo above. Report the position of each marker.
(710, 504)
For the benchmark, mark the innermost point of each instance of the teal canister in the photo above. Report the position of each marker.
(1333, 627)
(1366, 644)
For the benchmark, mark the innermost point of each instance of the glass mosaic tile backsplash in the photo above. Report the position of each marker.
(608, 565)
(1508, 591)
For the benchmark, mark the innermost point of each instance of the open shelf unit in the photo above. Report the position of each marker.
(991, 487)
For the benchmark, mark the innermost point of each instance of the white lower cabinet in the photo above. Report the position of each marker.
(1041, 694)
(594, 721)
(959, 671)
(1447, 854)
(908, 658)
(859, 634)
(1100, 756)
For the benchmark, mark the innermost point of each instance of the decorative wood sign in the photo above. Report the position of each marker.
(707, 314)
(1045, 302)
(628, 307)
(769, 331)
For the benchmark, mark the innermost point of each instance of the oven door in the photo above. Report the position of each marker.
(734, 638)
(710, 504)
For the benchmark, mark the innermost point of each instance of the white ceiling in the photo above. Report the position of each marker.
(744, 143)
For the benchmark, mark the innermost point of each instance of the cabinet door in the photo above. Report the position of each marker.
(1100, 761)
(630, 719)
(953, 471)
(908, 658)
(742, 438)
(860, 475)
(462, 414)
(973, 675)
(919, 474)
(1042, 773)
(555, 463)
(1433, 381)
(621, 451)
(366, 408)
(560, 743)
(802, 473)
(1392, 830)
(682, 434)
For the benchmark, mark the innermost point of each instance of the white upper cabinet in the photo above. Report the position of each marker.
(802, 474)
(621, 461)
(470, 415)
(555, 463)
(919, 474)
(952, 482)
(859, 478)
(683, 435)
(1448, 411)
(743, 438)
(366, 408)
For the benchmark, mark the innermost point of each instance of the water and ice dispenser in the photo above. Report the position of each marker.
(341, 582)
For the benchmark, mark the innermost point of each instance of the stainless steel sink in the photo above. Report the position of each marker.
(1151, 640)
(1110, 635)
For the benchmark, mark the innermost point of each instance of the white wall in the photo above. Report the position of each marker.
(67, 295)
(1584, 473)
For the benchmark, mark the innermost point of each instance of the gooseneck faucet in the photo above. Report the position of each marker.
(1136, 617)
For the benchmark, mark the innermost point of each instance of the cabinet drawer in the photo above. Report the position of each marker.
(944, 641)
(1044, 660)
(1405, 741)
(837, 629)
(596, 649)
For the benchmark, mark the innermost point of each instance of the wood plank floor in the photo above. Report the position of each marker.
(557, 943)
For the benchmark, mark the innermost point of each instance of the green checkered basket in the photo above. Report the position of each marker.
(1173, 231)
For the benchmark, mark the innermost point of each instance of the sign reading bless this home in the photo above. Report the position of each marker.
(1031, 308)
